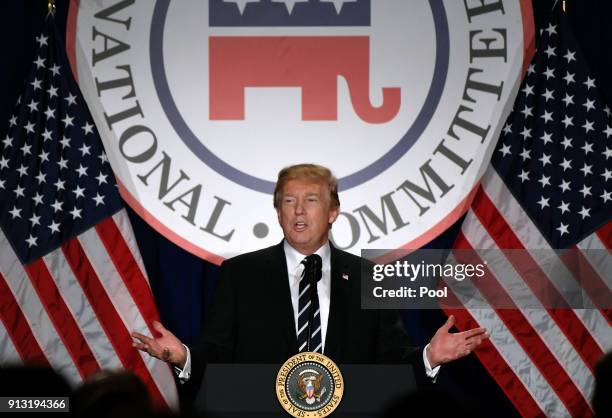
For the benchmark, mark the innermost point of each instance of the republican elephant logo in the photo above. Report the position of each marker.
(311, 63)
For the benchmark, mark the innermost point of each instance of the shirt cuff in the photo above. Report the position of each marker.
(431, 373)
(184, 374)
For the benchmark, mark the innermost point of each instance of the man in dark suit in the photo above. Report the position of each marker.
(263, 311)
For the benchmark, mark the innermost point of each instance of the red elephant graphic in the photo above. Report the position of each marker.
(312, 63)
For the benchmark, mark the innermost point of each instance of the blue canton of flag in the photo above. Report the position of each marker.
(289, 13)
(555, 152)
(55, 179)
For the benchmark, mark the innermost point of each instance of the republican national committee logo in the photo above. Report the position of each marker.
(200, 104)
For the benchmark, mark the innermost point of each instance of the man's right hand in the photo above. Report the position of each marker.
(167, 348)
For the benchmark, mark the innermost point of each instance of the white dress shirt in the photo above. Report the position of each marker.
(294, 269)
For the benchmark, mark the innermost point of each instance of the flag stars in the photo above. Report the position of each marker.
(543, 202)
(526, 133)
(569, 78)
(52, 92)
(13, 121)
(42, 40)
(47, 135)
(588, 126)
(71, 99)
(524, 176)
(567, 121)
(544, 181)
(63, 163)
(19, 191)
(55, 69)
(101, 178)
(26, 149)
(568, 99)
(85, 150)
(563, 229)
(505, 150)
(544, 159)
(31, 241)
(99, 199)
(68, 121)
(567, 143)
(527, 111)
(2, 183)
(547, 116)
(525, 154)
(587, 147)
(59, 184)
(549, 73)
(566, 164)
(54, 227)
(79, 192)
(76, 213)
(548, 95)
(50, 113)
(551, 29)
(565, 186)
(38, 199)
(34, 220)
(586, 169)
(606, 196)
(57, 206)
(81, 170)
(103, 158)
(584, 212)
(607, 174)
(4, 162)
(65, 141)
(570, 56)
(33, 105)
(507, 129)
(15, 213)
(41, 177)
(531, 69)
(23, 170)
(563, 207)
(7, 141)
(607, 153)
(88, 128)
(550, 51)
(589, 104)
(546, 137)
(589, 83)
(586, 191)
(36, 84)
(528, 90)
(29, 127)
(607, 131)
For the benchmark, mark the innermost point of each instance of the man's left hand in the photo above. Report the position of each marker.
(445, 347)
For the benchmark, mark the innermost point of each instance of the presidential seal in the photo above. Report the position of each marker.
(309, 385)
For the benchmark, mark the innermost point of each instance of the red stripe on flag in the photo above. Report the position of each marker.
(126, 265)
(110, 320)
(605, 235)
(505, 238)
(530, 340)
(497, 367)
(18, 328)
(61, 317)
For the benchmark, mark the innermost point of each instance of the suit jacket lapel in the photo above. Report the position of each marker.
(339, 300)
(281, 294)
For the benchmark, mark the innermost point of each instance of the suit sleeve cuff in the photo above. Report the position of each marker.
(432, 373)
(184, 374)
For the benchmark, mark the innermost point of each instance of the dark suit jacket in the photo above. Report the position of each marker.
(251, 318)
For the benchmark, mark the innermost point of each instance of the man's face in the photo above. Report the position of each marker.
(305, 213)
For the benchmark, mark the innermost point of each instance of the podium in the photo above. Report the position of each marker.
(248, 390)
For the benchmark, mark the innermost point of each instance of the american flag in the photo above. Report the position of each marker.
(72, 283)
(549, 186)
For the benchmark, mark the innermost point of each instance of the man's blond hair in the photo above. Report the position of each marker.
(311, 173)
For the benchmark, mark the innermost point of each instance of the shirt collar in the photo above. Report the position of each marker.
(294, 257)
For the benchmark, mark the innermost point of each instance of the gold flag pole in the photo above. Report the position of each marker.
(51, 6)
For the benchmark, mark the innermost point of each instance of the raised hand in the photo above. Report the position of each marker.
(167, 348)
(445, 347)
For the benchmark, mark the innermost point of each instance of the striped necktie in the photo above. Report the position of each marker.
(309, 318)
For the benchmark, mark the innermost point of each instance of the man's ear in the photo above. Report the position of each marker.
(333, 214)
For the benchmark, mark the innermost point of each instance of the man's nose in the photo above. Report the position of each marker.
(299, 208)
